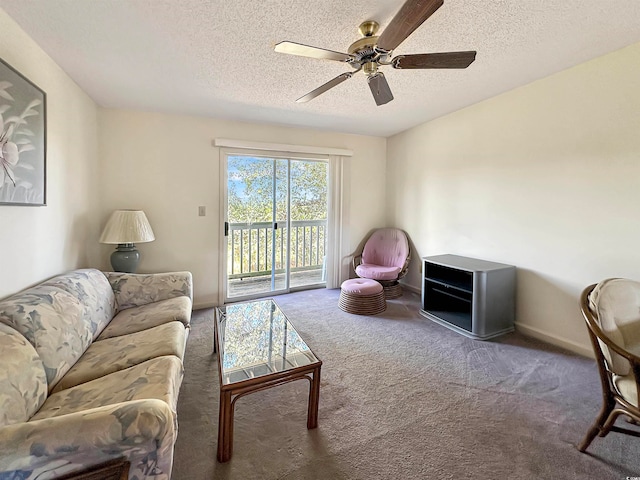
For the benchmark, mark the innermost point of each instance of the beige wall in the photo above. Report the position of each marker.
(39, 242)
(167, 166)
(545, 177)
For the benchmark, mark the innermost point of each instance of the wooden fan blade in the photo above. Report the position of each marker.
(410, 16)
(314, 52)
(380, 89)
(434, 60)
(323, 88)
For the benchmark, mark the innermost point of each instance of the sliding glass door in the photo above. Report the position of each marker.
(308, 206)
(275, 224)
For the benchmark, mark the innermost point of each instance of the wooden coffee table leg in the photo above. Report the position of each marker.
(225, 427)
(314, 399)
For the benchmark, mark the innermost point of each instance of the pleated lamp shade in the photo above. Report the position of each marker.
(127, 226)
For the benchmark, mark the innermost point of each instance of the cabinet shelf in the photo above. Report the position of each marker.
(470, 296)
(460, 286)
(451, 294)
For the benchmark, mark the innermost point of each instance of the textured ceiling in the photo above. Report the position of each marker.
(215, 57)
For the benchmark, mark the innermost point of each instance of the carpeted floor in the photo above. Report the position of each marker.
(402, 398)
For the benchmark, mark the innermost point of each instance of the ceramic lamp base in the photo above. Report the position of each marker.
(125, 258)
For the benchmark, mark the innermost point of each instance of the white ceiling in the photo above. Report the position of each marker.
(215, 57)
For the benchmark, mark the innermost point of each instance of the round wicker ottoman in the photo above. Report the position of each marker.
(362, 297)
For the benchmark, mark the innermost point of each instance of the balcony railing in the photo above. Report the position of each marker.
(253, 249)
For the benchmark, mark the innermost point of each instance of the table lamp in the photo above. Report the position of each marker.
(126, 228)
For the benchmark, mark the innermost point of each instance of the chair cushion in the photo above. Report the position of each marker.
(117, 353)
(616, 305)
(377, 272)
(361, 286)
(627, 388)
(151, 315)
(387, 247)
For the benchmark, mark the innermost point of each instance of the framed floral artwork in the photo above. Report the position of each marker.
(23, 140)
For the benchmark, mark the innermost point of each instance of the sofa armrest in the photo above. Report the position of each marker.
(134, 290)
(142, 431)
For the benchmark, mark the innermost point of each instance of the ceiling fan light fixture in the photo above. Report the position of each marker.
(370, 68)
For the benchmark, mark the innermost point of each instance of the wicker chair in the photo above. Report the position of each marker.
(384, 258)
(611, 310)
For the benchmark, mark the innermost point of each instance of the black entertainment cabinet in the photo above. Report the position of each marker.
(473, 297)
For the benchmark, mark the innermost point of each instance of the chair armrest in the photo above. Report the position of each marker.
(405, 267)
(134, 290)
(142, 431)
(357, 260)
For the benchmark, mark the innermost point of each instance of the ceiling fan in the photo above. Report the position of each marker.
(372, 52)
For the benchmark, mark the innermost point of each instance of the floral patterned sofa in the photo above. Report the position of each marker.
(90, 368)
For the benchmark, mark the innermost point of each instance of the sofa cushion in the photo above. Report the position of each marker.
(52, 320)
(23, 382)
(133, 290)
(92, 288)
(158, 378)
(136, 319)
(117, 353)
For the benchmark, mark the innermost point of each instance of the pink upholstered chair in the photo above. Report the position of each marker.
(385, 258)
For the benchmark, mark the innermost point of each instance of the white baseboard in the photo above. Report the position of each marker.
(412, 288)
(554, 340)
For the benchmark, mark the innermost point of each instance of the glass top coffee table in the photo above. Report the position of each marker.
(258, 348)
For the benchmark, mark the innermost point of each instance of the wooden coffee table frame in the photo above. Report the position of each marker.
(230, 393)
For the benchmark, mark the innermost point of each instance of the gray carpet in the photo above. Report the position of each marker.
(402, 398)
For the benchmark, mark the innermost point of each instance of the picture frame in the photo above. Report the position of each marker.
(23, 140)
